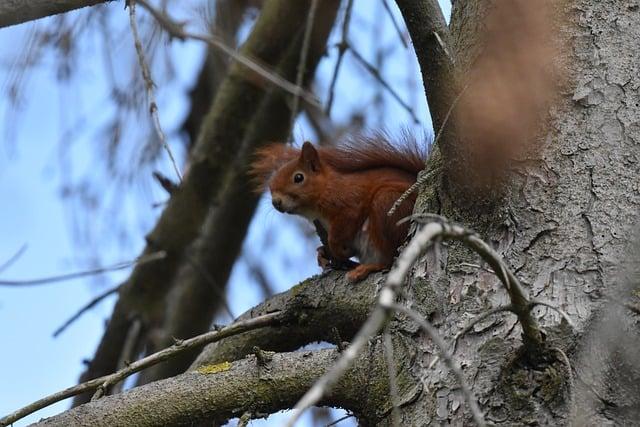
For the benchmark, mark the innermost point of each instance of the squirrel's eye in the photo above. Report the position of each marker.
(298, 178)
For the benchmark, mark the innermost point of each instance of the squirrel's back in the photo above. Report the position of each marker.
(365, 152)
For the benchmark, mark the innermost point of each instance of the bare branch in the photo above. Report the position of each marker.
(376, 321)
(149, 84)
(302, 63)
(401, 36)
(376, 74)
(153, 359)
(561, 312)
(86, 308)
(176, 30)
(422, 179)
(13, 258)
(93, 272)
(342, 48)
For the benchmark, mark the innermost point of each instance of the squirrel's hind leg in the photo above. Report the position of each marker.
(363, 270)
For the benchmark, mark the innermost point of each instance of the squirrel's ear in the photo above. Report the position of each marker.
(309, 157)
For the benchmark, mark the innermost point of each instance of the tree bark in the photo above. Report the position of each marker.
(227, 390)
(563, 226)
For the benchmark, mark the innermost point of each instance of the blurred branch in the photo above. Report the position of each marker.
(86, 308)
(302, 62)
(149, 84)
(396, 26)
(144, 259)
(376, 74)
(17, 12)
(137, 366)
(176, 30)
(13, 258)
(342, 48)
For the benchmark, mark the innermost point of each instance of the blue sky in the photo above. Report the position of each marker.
(32, 168)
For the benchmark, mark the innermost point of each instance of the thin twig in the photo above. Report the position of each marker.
(375, 322)
(339, 420)
(395, 24)
(376, 74)
(146, 362)
(86, 308)
(449, 360)
(176, 30)
(425, 177)
(93, 272)
(385, 306)
(342, 48)
(391, 371)
(13, 258)
(149, 84)
(126, 356)
(302, 63)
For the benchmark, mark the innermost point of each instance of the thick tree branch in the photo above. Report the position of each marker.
(14, 12)
(308, 306)
(430, 35)
(227, 390)
(195, 301)
(179, 347)
(225, 132)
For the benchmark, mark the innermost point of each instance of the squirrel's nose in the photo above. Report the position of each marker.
(277, 203)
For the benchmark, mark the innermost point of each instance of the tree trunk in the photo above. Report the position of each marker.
(563, 226)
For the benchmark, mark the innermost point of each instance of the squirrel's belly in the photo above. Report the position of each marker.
(365, 251)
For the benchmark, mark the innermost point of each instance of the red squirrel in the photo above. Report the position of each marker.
(348, 189)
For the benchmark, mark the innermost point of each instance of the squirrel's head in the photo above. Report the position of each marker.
(295, 186)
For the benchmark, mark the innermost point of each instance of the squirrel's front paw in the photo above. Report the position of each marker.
(323, 259)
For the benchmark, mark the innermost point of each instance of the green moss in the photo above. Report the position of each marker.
(552, 385)
(214, 369)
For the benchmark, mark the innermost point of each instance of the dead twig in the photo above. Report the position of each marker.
(381, 314)
(93, 272)
(376, 74)
(177, 30)
(13, 258)
(304, 50)
(342, 48)
(86, 308)
(149, 85)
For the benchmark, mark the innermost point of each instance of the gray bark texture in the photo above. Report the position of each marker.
(563, 222)
(14, 12)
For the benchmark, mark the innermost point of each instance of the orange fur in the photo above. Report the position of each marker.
(349, 189)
